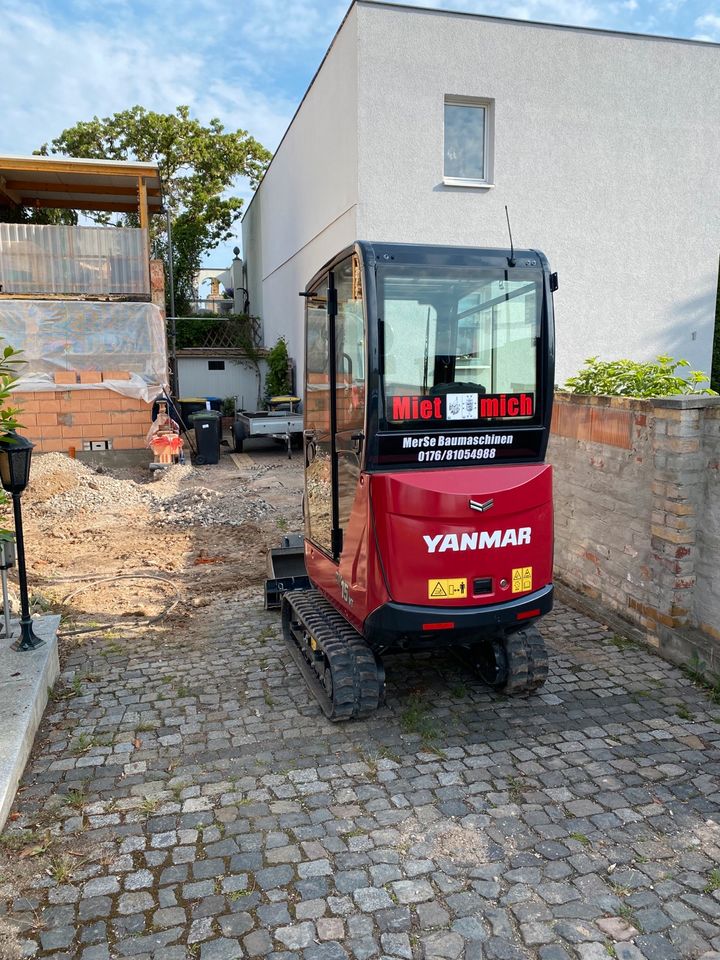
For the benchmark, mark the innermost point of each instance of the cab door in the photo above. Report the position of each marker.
(349, 384)
(334, 403)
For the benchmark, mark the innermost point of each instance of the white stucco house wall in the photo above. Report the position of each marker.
(604, 146)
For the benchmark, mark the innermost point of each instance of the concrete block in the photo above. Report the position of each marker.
(24, 683)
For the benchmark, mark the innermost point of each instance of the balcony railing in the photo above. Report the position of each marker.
(217, 305)
(73, 261)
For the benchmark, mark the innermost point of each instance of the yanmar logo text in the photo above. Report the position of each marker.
(477, 540)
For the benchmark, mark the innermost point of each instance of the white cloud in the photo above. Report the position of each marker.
(709, 25)
(59, 71)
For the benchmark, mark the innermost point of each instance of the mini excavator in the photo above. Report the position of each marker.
(428, 504)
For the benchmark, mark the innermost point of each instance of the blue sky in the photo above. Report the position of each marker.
(246, 62)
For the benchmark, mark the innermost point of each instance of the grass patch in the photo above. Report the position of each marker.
(713, 883)
(621, 642)
(516, 789)
(628, 915)
(581, 838)
(682, 711)
(17, 840)
(149, 805)
(145, 728)
(60, 869)
(696, 670)
(76, 798)
(415, 719)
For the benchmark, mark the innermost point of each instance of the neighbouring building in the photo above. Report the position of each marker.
(422, 125)
(85, 304)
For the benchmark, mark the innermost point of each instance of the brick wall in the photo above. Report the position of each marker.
(60, 419)
(637, 513)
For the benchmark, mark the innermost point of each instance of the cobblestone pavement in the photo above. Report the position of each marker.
(187, 799)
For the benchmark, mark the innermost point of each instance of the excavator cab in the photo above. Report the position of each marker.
(428, 504)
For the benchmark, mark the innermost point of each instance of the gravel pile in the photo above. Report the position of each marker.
(63, 487)
(208, 507)
(97, 492)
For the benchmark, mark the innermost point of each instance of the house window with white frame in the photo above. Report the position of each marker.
(468, 141)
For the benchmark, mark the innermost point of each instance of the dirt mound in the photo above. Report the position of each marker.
(92, 534)
(60, 486)
(54, 474)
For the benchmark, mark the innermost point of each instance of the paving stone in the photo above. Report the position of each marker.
(297, 936)
(57, 938)
(273, 832)
(370, 899)
(221, 949)
(616, 928)
(258, 943)
(442, 945)
(139, 880)
(236, 924)
(310, 909)
(326, 951)
(330, 928)
(169, 917)
(95, 907)
(412, 891)
(273, 914)
(432, 914)
(397, 945)
(135, 902)
(100, 886)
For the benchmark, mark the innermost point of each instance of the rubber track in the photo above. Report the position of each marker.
(358, 678)
(527, 661)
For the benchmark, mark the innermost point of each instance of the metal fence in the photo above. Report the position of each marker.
(39, 258)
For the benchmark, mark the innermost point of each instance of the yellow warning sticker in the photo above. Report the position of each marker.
(521, 579)
(447, 589)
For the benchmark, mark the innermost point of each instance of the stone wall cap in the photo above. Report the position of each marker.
(603, 400)
(687, 401)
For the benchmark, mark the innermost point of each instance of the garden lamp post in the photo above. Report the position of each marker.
(15, 453)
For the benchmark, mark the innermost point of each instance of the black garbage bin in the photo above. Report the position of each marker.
(207, 425)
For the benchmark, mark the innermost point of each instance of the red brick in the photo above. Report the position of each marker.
(47, 419)
(65, 376)
(90, 376)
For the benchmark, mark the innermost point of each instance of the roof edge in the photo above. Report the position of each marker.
(550, 25)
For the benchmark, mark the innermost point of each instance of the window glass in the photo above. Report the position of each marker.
(350, 346)
(466, 336)
(465, 141)
(318, 482)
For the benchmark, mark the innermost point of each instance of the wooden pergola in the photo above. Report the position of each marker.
(97, 185)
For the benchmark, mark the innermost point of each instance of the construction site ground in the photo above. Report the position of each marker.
(187, 799)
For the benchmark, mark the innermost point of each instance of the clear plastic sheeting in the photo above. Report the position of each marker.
(60, 336)
(39, 258)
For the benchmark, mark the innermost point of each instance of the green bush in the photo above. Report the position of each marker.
(629, 378)
(277, 381)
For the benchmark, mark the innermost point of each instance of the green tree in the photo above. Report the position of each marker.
(198, 166)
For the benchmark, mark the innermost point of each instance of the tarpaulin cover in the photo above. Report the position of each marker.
(77, 335)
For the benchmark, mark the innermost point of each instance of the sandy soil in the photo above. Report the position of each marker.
(167, 547)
